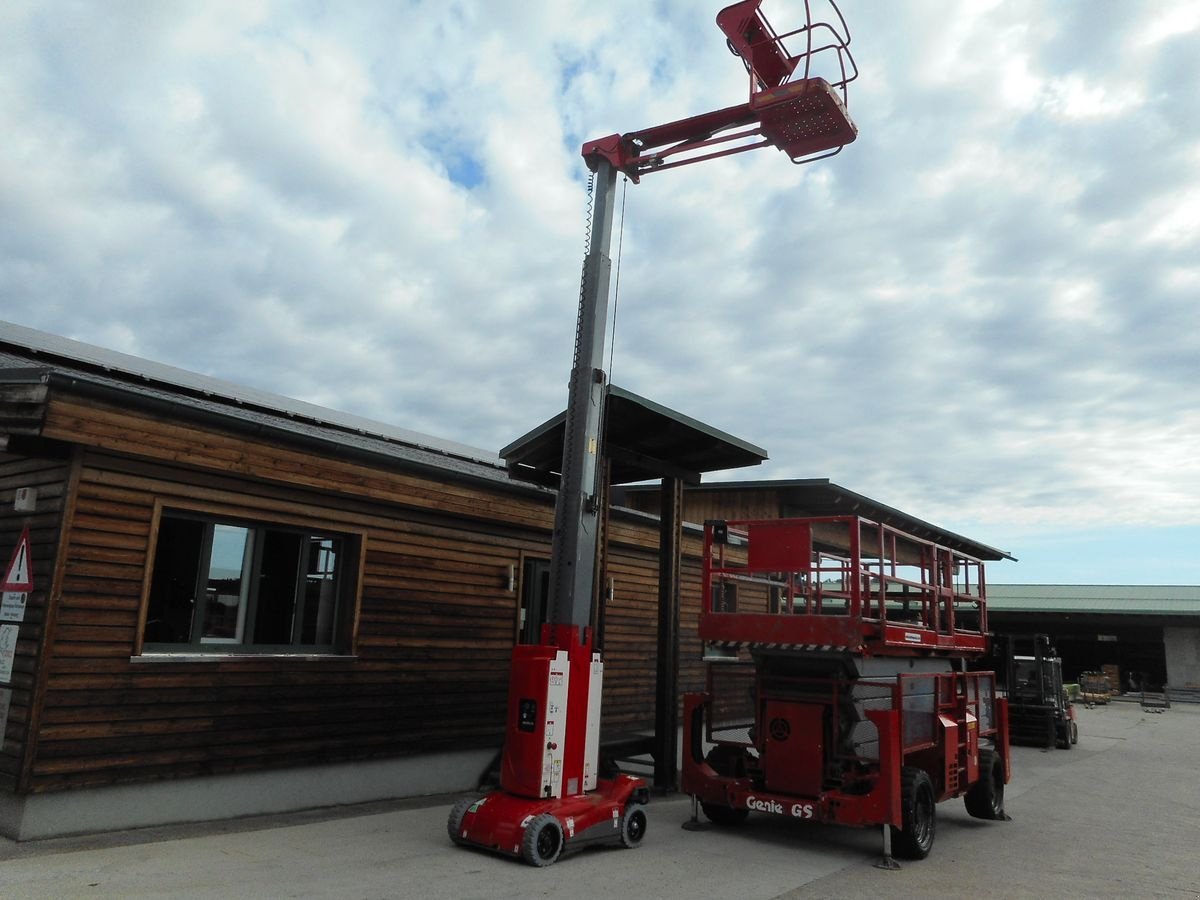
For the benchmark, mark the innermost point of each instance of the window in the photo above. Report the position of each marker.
(223, 585)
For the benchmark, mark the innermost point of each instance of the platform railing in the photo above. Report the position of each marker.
(847, 567)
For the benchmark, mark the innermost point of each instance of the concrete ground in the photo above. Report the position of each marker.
(1118, 816)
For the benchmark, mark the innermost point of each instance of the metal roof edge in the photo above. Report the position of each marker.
(186, 382)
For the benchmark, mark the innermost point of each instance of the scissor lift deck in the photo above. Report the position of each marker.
(840, 583)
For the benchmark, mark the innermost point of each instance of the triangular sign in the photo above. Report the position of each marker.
(19, 575)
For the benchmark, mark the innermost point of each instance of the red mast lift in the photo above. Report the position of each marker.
(852, 703)
(551, 795)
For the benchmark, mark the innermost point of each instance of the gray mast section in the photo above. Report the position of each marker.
(577, 512)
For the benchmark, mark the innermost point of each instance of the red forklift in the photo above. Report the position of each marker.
(552, 797)
(837, 689)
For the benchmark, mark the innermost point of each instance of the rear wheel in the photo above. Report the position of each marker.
(633, 825)
(543, 841)
(985, 799)
(1074, 732)
(918, 815)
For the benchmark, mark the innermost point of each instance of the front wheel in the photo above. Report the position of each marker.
(633, 825)
(985, 798)
(918, 815)
(543, 841)
(455, 823)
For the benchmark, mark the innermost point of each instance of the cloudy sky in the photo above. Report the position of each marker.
(983, 311)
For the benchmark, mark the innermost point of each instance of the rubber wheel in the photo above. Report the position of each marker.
(985, 798)
(918, 815)
(1074, 732)
(455, 822)
(633, 825)
(543, 841)
(1062, 737)
(724, 815)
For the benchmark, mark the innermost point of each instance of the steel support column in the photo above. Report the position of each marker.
(666, 718)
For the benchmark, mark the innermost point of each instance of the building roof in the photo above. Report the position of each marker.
(1135, 599)
(642, 440)
(27, 355)
(804, 497)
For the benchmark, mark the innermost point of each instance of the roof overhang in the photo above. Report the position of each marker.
(820, 497)
(643, 440)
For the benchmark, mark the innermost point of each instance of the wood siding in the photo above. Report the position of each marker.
(432, 639)
(49, 478)
(699, 506)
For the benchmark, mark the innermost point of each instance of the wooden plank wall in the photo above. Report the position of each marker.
(435, 632)
(48, 477)
(698, 506)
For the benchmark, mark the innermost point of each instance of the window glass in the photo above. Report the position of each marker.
(228, 581)
(320, 591)
(173, 585)
(278, 569)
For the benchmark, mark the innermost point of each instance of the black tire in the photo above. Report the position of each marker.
(985, 798)
(543, 841)
(633, 825)
(724, 815)
(454, 823)
(918, 815)
(1074, 732)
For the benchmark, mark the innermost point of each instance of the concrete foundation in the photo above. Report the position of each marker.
(93, 810)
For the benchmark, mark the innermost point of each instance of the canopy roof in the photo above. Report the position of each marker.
(643, 441)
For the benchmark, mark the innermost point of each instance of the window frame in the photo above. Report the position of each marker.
(349, 587)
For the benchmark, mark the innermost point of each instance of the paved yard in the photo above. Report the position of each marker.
(1118, 816)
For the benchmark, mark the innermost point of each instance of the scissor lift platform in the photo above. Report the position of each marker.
(839, 583)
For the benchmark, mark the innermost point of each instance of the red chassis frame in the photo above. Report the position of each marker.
(949, 748)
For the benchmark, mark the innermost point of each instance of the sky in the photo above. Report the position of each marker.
(982, 312)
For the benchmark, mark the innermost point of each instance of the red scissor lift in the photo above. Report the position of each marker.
(836, 682)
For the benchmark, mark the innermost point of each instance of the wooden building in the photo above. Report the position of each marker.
(229, 583)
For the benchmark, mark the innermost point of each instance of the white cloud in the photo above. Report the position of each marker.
(983, 310)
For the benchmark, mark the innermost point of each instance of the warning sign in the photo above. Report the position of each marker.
(19, 575)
